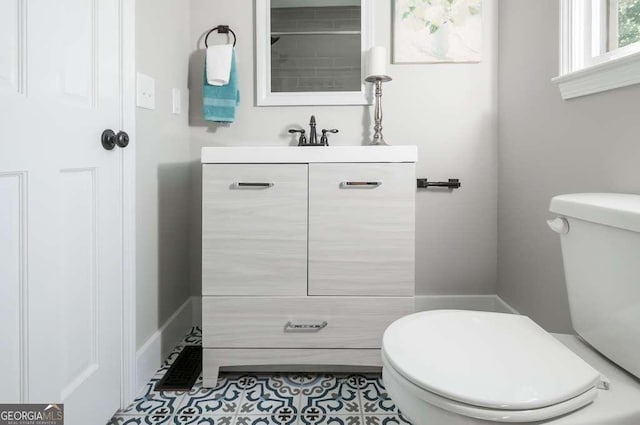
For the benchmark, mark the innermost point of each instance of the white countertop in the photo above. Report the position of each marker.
(307, 154)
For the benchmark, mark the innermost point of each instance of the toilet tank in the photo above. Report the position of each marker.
(600, 234)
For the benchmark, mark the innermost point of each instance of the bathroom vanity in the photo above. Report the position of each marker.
(307, 254)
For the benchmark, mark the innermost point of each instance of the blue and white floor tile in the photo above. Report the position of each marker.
(374, 398)
(224, 400)
(264, 399)
(270, 396)
(194, 337)
(121, 419)
(203, 420)
(385, 420)
(331, 399)
(155, 403)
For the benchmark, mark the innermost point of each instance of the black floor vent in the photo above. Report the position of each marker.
(184, 371)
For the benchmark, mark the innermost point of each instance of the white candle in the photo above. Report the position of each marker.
(377, 61)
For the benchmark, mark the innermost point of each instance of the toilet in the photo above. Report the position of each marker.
(452, 367)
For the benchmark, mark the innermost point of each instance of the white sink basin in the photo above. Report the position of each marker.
(308, 154)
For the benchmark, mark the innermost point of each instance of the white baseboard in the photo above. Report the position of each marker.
(150, 356)
(197, 310)
(503, 307)
(463, 302)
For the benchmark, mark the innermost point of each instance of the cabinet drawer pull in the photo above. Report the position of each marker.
(305, 327)
(254, 185)
(356, 184)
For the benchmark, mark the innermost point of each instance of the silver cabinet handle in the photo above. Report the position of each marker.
(305, 327)
(253, 185)
(361, 184)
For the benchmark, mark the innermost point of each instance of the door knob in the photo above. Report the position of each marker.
(122, 139)
(111, 139)
(108, 139)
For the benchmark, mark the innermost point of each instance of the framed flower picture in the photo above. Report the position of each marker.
(433, 31)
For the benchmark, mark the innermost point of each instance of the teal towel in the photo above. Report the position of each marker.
(219, 102)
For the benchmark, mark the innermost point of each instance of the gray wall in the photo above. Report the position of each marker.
(448, 110)
(547, 147)
(163, 153)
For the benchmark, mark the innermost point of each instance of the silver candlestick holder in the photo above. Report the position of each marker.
(378, 138)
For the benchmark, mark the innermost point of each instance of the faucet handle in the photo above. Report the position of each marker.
(324, 140)
(303, 139)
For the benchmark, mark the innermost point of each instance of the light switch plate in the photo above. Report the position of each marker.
(145, 91)
(177, 103)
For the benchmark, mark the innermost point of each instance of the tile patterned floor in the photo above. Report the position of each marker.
(264, 399)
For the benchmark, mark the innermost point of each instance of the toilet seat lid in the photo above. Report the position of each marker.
(492, 360)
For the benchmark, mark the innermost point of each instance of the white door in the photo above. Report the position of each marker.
(60, 206)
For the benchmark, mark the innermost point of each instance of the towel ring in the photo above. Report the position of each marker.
(222, 29)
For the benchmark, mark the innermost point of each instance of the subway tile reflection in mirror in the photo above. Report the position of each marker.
(315, 47)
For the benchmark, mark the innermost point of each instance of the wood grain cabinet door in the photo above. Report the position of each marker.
(361, 229)
(254, 229)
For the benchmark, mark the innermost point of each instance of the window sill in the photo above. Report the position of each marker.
(616, 73)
